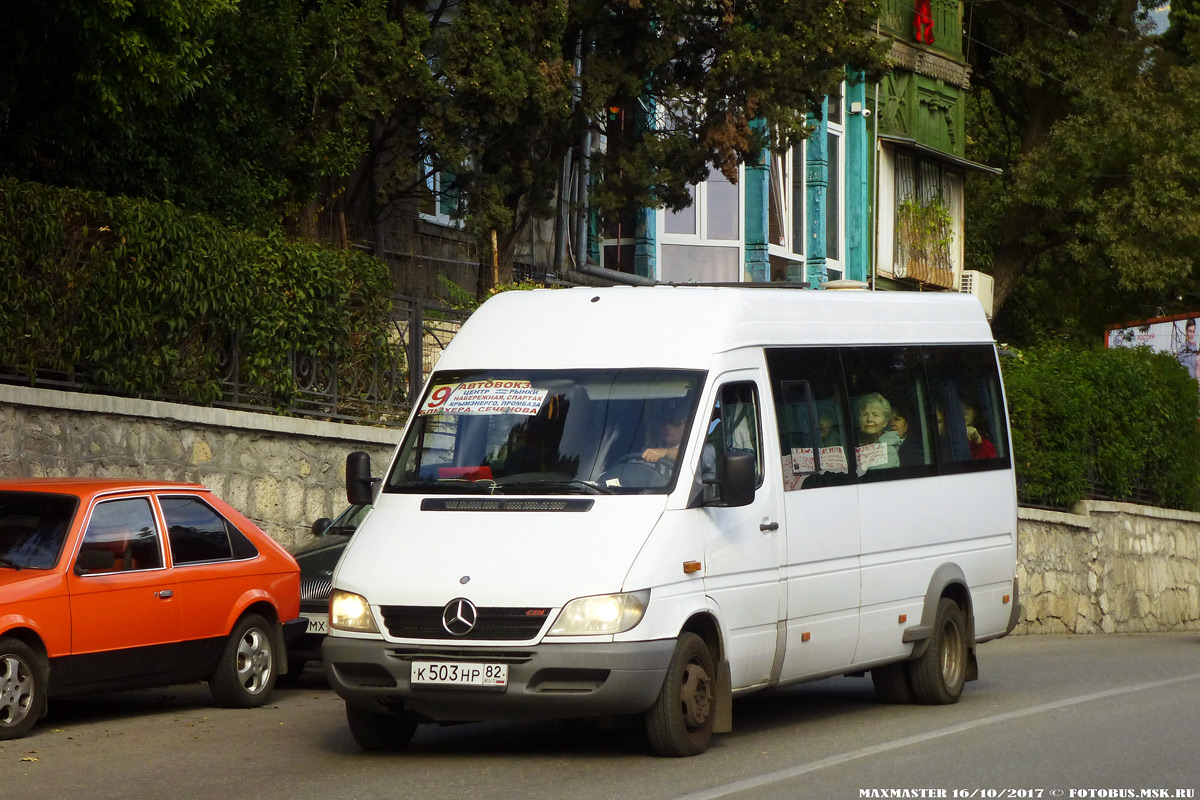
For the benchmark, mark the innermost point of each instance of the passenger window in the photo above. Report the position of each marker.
(810, 410)
(197, 533)
(733, 426)
(891, 412)
(126, 530)
(971, 428)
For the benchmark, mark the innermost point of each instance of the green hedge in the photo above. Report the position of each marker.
(1120, 423)
(142, 297)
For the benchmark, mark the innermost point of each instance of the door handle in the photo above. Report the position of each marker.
(164, 594)
(766, 526)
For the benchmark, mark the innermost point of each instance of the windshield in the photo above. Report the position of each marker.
(33, 527)
(548, 432)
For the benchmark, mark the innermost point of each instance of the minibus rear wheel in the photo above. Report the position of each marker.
(680, 723)
(940, 672)
(892, 684)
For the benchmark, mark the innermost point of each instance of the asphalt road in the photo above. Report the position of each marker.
(1051, 716)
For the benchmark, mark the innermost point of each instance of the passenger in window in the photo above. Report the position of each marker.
(905, 424)
(829, 437)
(669, 434)
(877, 442)
(977, 441)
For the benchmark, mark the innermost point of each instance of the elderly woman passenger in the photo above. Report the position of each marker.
(877, 443)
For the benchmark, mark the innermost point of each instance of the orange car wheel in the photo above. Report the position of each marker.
(247, 670)
(21, 688)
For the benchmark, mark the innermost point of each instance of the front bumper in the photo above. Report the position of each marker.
(545, 681)
(293, 629)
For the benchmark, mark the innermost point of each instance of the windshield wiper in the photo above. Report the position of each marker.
(572, 486)
(4, 562)
(443, 487)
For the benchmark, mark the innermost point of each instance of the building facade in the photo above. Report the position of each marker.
(874, 195)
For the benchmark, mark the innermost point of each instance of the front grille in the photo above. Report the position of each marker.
(492, 624)
(503, 504)
(315, 606)
(472, 654)
(316, 588)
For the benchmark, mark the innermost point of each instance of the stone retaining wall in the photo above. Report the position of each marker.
(281, 472)
(1109, 567)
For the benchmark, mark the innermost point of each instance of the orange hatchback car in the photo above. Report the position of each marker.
(117, 584)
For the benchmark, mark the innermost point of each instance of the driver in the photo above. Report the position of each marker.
(669, 435)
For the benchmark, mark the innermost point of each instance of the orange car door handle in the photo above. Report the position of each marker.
(164, 594)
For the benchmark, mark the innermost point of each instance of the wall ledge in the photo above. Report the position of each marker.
(53, 399)
(1154, 512)
(1055, 517)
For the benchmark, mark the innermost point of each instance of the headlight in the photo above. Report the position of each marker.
(350, 612)
(607, 613)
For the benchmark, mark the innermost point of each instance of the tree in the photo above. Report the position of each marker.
(1095, 124)
(512, 102)
(264, 109)
(252, 110)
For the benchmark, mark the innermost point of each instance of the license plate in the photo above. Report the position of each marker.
(449, 673)
(317, 623)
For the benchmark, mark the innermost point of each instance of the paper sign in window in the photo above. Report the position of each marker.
(872, 455)
(485, 397)
(833, 459)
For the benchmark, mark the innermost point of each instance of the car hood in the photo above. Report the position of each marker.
(20, 585)
(319, 544)
(403, 555)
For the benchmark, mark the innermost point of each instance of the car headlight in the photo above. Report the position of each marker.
(606, 613)
(350, 612)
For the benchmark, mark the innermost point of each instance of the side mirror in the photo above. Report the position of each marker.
(360, 486)
(94, 559)
(321, 525)
(737, 479)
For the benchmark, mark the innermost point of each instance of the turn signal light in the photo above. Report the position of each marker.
(691, 566)
(804, 637)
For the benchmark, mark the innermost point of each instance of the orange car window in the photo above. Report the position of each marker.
(33, 527)
(197, 533)
(126, 529)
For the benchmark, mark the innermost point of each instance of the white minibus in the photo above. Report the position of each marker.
(641, 502)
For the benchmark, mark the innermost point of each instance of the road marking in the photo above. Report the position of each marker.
(842, 758)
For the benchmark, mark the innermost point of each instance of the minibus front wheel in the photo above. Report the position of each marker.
(939, 673)
(680, 723)
(379, 731)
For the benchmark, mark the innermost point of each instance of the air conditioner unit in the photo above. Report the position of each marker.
(979, 284)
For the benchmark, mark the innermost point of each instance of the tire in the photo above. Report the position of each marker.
(22, 688)
(378, 731)
(680, 723)
(246, 673)
(294, 671)
(892, 684)
(939, 674)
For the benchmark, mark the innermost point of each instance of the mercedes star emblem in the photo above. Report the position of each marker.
(459, 617)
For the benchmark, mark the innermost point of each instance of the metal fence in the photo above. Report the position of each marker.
(379, 392)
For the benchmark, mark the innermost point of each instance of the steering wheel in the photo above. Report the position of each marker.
(633, 470)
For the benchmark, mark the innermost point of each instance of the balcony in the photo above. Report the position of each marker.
(896, 18)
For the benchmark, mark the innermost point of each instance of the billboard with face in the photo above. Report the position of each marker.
(1175, 335)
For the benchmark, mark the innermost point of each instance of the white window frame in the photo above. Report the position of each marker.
(433, 184)
(699, 207)
(834, 261)
(784, 167)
